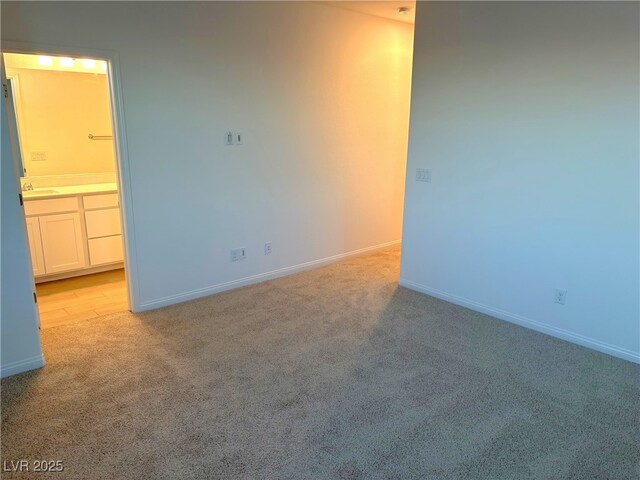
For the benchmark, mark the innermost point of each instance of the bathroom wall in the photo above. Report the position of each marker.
(56, 113)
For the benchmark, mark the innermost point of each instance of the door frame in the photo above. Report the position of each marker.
(123, 170)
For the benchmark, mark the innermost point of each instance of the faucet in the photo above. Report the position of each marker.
(27, 186)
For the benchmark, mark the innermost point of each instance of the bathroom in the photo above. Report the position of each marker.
(61, 107)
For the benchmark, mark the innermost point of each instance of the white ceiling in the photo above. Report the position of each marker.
(380, 9)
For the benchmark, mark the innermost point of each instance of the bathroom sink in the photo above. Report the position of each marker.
(40, 192)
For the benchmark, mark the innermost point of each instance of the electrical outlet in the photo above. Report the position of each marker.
(423, 175)
(238, 254)
(560, 297)
(38, 156)
(267, 248)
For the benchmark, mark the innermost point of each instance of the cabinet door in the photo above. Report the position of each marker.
(62, 242)
(35, 246)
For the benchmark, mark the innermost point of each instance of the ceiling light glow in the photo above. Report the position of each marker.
(66, 62)
(88, 63)
(45, 61)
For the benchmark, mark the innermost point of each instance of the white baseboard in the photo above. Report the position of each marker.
(526, 322)
(79, 273)
(242, 282)
(22, 366)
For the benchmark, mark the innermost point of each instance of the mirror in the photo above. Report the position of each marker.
(63, 114)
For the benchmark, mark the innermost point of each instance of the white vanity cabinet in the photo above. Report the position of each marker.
(55, 235)
(74, 235)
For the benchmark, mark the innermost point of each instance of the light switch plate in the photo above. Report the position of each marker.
(238, 254)
(423, 175)
(38, 156)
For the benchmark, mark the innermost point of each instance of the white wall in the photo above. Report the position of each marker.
(320, 93)
(527, 114)
(19, 340)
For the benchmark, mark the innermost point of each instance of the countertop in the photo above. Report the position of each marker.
(69, 190)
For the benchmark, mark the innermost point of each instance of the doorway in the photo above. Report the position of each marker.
(61, 111)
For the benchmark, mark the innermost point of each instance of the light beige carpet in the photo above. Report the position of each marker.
(332, 373)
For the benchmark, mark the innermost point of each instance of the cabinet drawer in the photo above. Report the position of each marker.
(52, 205)
(102, 223)
(105, 250)
(100, 201)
